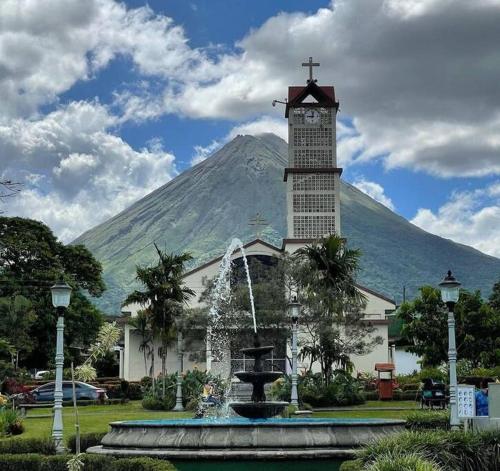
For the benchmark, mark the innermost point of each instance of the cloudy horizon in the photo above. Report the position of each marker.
(104, 101)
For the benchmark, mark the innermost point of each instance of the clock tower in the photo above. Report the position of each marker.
(312, 176)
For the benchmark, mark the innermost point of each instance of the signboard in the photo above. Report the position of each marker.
(466, 401)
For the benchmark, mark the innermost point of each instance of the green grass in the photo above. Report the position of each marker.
(96, 418)
(93, 418)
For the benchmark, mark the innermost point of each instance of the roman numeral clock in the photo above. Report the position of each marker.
(312, 176)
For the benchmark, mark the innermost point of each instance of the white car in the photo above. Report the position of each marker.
(40, 374)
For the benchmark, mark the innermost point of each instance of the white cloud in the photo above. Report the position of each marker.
(375, 191)
(419, 79)
(46, 46)
(469, 217)
(201, 153)
(262, 125)
(79, 174)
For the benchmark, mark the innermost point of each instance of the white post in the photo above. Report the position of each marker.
(57, 426)
(294, 395)
(209, 349)
(178, 396)
(452, 358)
(121, 370)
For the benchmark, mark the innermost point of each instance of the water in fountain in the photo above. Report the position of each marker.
(222, 288)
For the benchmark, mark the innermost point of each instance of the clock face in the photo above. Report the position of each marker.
(312, 117)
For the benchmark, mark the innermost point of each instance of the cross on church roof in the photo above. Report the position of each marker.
(258, 222)
(310, 64)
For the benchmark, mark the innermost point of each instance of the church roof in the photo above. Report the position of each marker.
(325, 96)
(278, 251)
(246, 246)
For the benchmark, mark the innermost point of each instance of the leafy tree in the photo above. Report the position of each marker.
(164, 297)
(16, 319)
(325, 276)
(477, 328)
(494, 300)
(31, 261)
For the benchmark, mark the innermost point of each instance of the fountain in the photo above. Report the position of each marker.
(256, 433)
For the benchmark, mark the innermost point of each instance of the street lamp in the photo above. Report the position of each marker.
(294, 313)
(450, 291)
(61, 294)
(178, 395)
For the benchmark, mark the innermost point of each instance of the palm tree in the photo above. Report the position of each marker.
(164, 296)
(142, 326)
(334, 268)
(326, 277)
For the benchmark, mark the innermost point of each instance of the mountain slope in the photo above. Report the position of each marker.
(202, 209)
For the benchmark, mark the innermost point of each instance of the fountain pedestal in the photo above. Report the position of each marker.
(258, 408)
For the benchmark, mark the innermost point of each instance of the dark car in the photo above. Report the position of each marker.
(83, 391)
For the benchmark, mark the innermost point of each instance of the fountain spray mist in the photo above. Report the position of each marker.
(222, 289)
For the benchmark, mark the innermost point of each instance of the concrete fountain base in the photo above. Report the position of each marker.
(242, 438)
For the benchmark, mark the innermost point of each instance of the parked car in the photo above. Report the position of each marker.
(40, 374)
(83, 391)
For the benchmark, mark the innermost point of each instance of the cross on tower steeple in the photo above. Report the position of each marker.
(310, 64)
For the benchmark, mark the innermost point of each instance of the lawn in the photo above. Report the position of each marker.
(97, 418)
(92, 418)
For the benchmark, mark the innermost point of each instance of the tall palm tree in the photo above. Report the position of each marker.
(326, 277)
(334, 268)
(142, 326)
(164, 296)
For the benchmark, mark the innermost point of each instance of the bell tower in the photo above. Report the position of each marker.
(312, 176)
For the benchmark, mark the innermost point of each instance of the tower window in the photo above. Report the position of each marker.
(314, 203)
(312, 137)
(311, 158)
(313, 227)
(314, 182)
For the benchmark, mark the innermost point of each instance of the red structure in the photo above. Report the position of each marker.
(385, 384)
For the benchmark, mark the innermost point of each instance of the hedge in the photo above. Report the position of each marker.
(451, 451)
(34, 462)
(15, 446)
(86, 441)
(428, 420)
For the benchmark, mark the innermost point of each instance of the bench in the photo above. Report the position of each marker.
(23, 408)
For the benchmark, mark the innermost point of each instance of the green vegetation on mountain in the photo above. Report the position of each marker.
(202, 209)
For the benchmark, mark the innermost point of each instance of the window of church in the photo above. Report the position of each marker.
(313, 158)
(312, 137)
(315, 203)
(312, 227)
(318, 182)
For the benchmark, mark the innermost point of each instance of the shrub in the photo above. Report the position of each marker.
(34, 462)
(11, 422)
(20, 462)
(436, 374)
(351, 465)
(451, 450)
(142, 464)
(134, 391)
(157, 403)
(408, 462)
(86, 441)
(14, 446)
(428, 420)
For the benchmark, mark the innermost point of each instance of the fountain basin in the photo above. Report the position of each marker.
(243, 438)
(262, 377)
(258, 410)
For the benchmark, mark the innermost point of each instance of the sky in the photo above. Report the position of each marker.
(104, 101)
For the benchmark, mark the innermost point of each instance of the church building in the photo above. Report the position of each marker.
(312, 183)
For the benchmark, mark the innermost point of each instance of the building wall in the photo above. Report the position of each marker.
(196, 280)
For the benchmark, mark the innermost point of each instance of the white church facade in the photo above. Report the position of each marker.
(312, 182)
